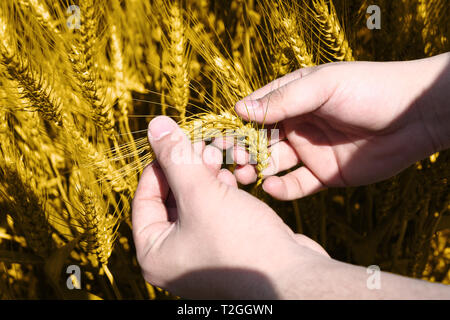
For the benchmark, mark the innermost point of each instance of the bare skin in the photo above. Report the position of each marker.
(199, 236)
(351, 124)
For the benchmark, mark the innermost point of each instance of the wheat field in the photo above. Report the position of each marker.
(80, 80)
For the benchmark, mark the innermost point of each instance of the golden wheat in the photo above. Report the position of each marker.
(42, 14)
(30, 83)
(331, 31)
(176, 49)
(83, 58)
(99, 227)
(24, 204)
(91, 157)
(75, 105)
(288, 32)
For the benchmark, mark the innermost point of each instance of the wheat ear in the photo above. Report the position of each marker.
(234, 84)
(41, 13)
(100, 230)
(25, 204)
(297, 43)
(333, 34)
(89, 155)
(226, 124)
(99, 227)
(30, 83)
(205, 126)
(83, 57)
(289, 32)
(179, 91)
(124, 97)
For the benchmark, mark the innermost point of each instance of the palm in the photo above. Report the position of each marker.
(339, 157)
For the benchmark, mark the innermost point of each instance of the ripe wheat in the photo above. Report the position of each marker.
(75, 105)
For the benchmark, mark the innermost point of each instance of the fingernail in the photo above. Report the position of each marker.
(160, 127)
(244, 106)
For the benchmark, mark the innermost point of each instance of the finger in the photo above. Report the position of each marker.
(296, 184)
(227, 177)
(182, 166)
(295, 98)
(276, 133)
(224, 142)
(275, 84)
(245, 174)
(240, 155)
(149, 214)
(213, 158)
(199, 147)
(171, 206)
(282, 157)
(272, 86)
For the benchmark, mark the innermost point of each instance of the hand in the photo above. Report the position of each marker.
(199, 236)
(348, 124)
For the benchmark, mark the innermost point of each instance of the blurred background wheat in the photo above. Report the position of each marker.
(80, 80)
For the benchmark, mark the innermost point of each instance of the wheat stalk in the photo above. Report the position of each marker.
(41, 13)
(289, 33)
(233, 83)
(297, 43)
(83, 57)
(331, 30)
(209, 54)
(91, 157)
(31, 84)
(99, 227)
(25, 205)
(179, 76)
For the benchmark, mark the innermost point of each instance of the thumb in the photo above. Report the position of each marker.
(182, 166)
(292, 99)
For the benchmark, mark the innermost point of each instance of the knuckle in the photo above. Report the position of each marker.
(294, 187)
(276, 96)
(165, 155)
(303, 72)
(170, 152)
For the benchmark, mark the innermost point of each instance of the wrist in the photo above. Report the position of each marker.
(433, 102)
(320, 277)
(304, 276)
